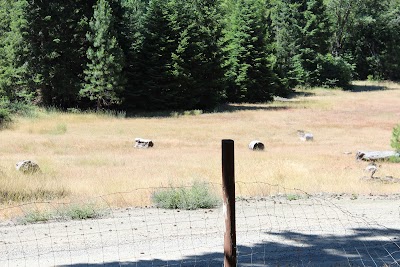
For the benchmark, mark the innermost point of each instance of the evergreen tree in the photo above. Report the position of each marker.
(132, 45)
(313, 41)
(13, 48)
(104, 82)
(197, 60)
(57, 47)
(157, 84)
(250, 74)
(284, 16)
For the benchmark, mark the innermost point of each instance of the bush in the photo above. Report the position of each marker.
(335, 71)
(198, 196)
(74, 212)
(4, 116)
(395, 141)
(16, 108)
(80, 212)
(394, 159)
(35, 216)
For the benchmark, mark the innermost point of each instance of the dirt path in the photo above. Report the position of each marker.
(317, 231)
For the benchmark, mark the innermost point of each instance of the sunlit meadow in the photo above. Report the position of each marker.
(84, 155)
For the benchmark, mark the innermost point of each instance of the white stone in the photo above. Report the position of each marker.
(27, 166)
(307, 137)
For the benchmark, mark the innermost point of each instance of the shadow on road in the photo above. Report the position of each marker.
(361, 247)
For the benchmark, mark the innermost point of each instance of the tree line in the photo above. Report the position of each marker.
(179, 54)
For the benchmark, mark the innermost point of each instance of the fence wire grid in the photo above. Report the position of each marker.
(287, 228)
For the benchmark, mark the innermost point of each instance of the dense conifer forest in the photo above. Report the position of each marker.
(180, 55)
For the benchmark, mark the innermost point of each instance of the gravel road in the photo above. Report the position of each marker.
(274, 231)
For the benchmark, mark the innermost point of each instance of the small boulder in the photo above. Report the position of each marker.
(143, 143)
(256, 145)
(27, 167)
(305, 136)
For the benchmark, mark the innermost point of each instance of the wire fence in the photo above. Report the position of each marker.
(287, 228)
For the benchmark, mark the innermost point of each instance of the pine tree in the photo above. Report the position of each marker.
(104, 82)
(284, 17)
(250, 74)
(313, 41)
(13, 48)
(132, 44)
(197, 60)
(157, 84)
(57, 47)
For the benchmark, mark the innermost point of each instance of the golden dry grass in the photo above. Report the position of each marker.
(88, 155)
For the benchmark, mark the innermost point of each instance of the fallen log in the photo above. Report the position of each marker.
(256, 145)
(143, 143)
(385, 179)
(376, 155)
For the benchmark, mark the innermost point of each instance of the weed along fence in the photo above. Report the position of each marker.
(189, 226)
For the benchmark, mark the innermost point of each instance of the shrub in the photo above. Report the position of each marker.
(35, 216)
(394, 159)
(198, 196)
(60, 128)
(291, 197)
(395, 141)
(79, 212)
(4, 116)
(335, 71)
(73, 212)
(16, 108)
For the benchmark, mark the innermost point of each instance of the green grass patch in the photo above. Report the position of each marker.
(395, 141)
(197, 196)
(35, 216)
(60, 128)
(292, 197)
(80, 212)
(394, 159)
(66, 213)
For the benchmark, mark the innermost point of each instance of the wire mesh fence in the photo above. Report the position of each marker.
(280, 227)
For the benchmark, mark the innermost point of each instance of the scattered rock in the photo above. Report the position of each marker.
(376, 155)
(372, 168)
(256, 145)
(384, 179)
(27, 167)
(143, 143)
(305, 136)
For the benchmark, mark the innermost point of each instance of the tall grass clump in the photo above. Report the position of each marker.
(66, 213)
(80, 212)
(197, 196)
(60, 128)
(395, 141)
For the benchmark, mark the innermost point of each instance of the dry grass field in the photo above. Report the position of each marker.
(87, 155)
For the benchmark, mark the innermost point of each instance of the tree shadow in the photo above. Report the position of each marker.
(223, 108)
(366, 88)
(362, 247)
(228, 108)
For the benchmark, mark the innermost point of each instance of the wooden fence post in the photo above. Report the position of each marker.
(228, 188)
